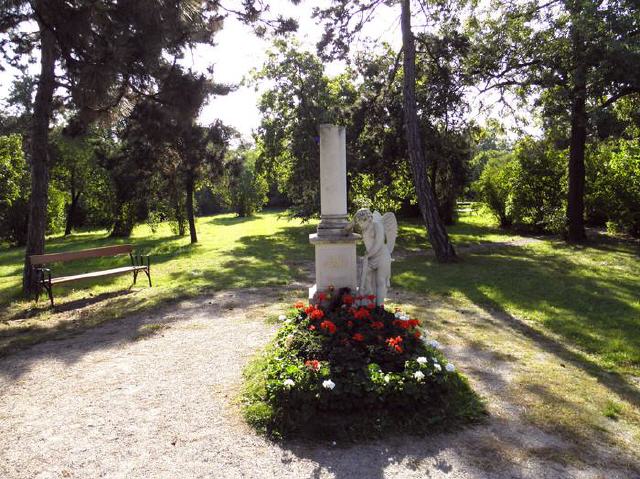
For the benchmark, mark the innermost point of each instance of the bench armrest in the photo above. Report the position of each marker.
(41, 272)
(139, 260)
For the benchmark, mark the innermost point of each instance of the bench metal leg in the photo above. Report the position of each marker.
(50, 291)
(135, 276)
(148, 276)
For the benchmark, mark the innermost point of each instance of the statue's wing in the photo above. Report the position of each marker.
(390, 229)
(377, 217)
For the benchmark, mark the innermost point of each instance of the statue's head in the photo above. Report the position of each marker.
(363, 217)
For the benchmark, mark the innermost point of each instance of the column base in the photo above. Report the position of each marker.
(336, 263)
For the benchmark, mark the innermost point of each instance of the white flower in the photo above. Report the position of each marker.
(328, 384)
(289, 382)
(437, 367)
(398, 314)
(404, 317)
(387, 378)
(450, 367)
(434, 344)
(422, 360)
(419, 375)
(282, 317)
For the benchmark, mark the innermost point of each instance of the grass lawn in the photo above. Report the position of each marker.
(589, 297)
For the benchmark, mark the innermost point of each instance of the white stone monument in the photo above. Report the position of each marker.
(335, 244)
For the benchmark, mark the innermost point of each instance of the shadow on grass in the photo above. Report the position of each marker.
(593, 312)
(261, 260)
(232, 220)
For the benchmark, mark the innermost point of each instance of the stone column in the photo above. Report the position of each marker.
(333, 180)
(335, 247)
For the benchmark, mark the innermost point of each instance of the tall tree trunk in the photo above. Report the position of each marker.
(575, 198)
(124, 220)
(39, 154)
(426, 199)
(71, 211)
(190, 216)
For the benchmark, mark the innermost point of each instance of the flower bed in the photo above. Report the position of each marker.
(345, 368)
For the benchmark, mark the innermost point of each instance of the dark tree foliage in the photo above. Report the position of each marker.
(164, 153)
(105, 53)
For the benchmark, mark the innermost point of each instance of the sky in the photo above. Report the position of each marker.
(238, 51)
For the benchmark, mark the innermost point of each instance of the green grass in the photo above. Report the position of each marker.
(232, 252)
(588, 296)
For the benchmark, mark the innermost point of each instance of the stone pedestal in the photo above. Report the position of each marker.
(335, 247)
(336, 263)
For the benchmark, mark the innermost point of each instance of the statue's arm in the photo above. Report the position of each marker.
(349, 227)
(378, 240)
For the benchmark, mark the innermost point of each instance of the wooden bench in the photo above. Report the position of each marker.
(42, 273)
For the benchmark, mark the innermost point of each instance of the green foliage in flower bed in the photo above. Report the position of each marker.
(341, 371)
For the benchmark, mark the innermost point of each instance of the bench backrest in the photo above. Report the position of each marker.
(37, 259)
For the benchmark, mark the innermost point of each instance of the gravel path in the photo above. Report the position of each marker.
(116, 403)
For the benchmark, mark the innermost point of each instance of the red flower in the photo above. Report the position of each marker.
(350, 323)
(312, 328)
(394, 343)
(402, 324)
(313, 364)
(329, 326)
(347, 299)
(362, 313)
(358, 337)
(317, 314)
(309, 309)
(299, 305)
(371, 297)
(377, 325)
(417, 334)
(414, 323)
(322, 296)
(371, 305)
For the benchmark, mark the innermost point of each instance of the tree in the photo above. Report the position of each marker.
(345, 18)
(13, 182)
(76, 172)
(577, 57)
(202, 151)
(303, 97)
(245, 188)
(104, 51)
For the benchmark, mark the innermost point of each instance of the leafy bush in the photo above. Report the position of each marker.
(346, 371)
(613, 186)
(241, 187)
(495, 184)
(526, 187)
(539, 191)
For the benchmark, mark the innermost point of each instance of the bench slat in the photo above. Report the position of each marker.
(83, 254)
(96, 274)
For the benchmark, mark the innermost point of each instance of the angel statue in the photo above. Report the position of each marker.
(376, 265)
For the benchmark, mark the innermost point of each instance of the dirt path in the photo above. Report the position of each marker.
(152, 396)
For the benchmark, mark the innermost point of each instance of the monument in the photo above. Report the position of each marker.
(335, 243)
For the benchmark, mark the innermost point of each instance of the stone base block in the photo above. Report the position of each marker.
(336, 263)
